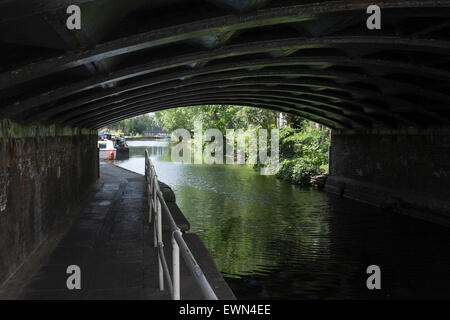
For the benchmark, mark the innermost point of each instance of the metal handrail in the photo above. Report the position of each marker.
(157, 205)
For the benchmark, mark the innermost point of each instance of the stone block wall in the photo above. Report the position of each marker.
(406, 171)
(45, 171)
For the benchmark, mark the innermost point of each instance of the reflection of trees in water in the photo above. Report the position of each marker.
(280, 241)
(154, 151)
(247, 234)
(157, 151)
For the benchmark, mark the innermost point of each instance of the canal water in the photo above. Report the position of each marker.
(274, 240)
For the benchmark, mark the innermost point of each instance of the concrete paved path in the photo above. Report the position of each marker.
(112, 242)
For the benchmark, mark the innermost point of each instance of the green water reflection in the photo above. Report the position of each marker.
(272, 239)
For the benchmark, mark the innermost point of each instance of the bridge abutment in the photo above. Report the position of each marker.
(406, 171)
(45, 171)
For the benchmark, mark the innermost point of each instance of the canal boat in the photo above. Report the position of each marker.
(123, 151)
(112, 147)
(106, 149)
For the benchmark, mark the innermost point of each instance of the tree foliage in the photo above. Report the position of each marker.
(303, 153)
(303, 144)
(221, 117)
(136, 125)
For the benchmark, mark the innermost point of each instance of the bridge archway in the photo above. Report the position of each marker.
(384, 92)
(318, 60)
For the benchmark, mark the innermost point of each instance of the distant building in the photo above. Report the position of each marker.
(155, 132)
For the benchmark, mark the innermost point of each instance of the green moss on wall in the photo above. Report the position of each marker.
(14, 130)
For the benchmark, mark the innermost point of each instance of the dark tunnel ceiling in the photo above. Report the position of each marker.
(315, 59)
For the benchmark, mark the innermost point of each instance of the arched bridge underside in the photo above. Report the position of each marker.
(316, 59)
(385, 92)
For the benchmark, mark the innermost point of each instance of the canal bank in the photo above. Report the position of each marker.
(112, 243)
(274, 240)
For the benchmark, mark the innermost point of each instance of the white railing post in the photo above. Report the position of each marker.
(150, 204)
(159, 237)
(154, 193)
(175, 268)
(179, 246)
(155, 228)
(148, 180)
(150, 193)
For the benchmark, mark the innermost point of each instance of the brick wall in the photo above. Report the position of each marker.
(44, 173)
(406, 171)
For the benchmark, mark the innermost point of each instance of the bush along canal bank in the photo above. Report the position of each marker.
(303, 144)
(304, 155)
